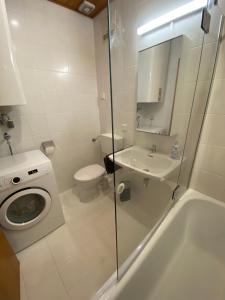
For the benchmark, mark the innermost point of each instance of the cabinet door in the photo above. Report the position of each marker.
(9, 271)
(152, 73)
(11, 91)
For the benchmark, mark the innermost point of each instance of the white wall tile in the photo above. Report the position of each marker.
(184, 97)
(201, 97)
(208, 60)
(218, 105)
(209, 169)
(213, 133)
(208, 183)
(124, 49)
(211, 159)
(56, 56)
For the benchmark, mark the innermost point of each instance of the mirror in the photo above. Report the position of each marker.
(158, 70)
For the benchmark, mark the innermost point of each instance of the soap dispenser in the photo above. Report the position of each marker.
(175, 151)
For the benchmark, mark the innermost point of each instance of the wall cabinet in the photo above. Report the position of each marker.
(152, 73)
(11, 91)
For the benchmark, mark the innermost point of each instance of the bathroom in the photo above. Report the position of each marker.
(113, 112)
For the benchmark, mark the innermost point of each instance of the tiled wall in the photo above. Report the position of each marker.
(124, 85)
(208, 175)
(124, 105)
(55, 52)
(125, 18)
(102, 64)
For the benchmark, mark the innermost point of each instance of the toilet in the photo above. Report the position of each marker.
(88, 179)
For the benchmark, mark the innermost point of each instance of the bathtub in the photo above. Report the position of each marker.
(185, 258)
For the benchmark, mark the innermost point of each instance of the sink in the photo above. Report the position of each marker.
(152, 165)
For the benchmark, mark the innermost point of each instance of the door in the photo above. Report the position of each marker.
(9, 271)
(151, 164)
(25, 208)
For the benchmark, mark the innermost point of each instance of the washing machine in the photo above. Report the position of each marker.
(29, 202)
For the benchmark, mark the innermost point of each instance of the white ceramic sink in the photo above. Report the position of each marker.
(153, 165)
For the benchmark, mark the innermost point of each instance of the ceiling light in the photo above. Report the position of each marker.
(175, 14)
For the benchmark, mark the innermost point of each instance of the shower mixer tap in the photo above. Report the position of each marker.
(5, 120)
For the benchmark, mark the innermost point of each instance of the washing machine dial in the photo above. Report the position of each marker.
(16, 180)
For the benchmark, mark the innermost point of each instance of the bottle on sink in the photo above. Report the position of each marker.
(175, 151)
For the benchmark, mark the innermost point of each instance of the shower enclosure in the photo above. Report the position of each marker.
(162, 58)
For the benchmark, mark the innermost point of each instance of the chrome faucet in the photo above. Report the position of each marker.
(138, 119)
(153, 148)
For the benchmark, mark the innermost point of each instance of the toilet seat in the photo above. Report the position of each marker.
(89, 173)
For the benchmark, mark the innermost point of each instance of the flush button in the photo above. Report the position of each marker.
(16, 180)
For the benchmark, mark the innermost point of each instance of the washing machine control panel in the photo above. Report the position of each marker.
(23, 176)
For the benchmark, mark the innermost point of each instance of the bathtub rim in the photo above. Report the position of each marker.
(113, 286)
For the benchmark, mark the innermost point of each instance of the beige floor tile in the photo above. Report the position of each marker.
(62, 245)
(41, 279)
(74, 261)
(81, 213)
(93, 257)
(85, 283)
(50, 288)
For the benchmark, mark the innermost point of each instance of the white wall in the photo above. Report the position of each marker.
(102, 64)
(126, 16)
(124, 100)
(208, 175)
(56, 57)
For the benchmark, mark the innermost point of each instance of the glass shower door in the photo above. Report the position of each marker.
(157, 82)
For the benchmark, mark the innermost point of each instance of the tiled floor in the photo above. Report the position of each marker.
(75, 260)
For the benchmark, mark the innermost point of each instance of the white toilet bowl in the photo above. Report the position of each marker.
(87, 180)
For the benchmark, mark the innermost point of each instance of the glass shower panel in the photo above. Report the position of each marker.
(211, 44)
(155, 78)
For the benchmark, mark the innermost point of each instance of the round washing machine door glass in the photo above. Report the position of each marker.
(24, 208)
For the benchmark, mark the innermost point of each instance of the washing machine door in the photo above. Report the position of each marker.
(25, 208)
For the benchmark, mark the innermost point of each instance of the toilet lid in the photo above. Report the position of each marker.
(89, 173)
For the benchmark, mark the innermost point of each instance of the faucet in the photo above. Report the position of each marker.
(153, 148)
(138, 119)
(5, 120)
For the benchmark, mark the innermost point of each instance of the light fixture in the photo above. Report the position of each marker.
(86, 7)
(177, 13)
(14, 23)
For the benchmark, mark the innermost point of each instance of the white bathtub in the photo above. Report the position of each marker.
(184, 260)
